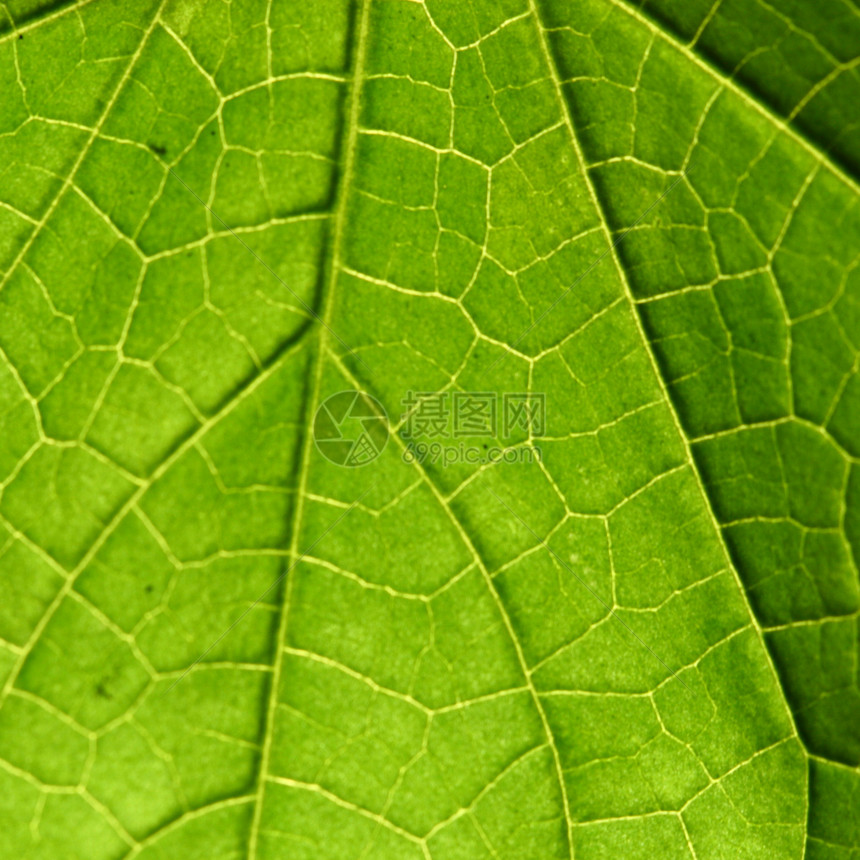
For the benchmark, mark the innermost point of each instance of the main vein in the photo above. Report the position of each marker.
(348, 143)
(625, 281)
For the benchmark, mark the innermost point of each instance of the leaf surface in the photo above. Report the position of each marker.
(218, 643)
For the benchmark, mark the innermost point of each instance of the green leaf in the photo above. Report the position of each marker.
(624, 628)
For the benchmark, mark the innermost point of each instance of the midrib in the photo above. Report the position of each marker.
(349, 136)
(622, 274)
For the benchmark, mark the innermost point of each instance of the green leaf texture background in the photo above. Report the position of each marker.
(215, 214)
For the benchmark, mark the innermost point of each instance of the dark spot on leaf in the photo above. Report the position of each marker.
(158, 149)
